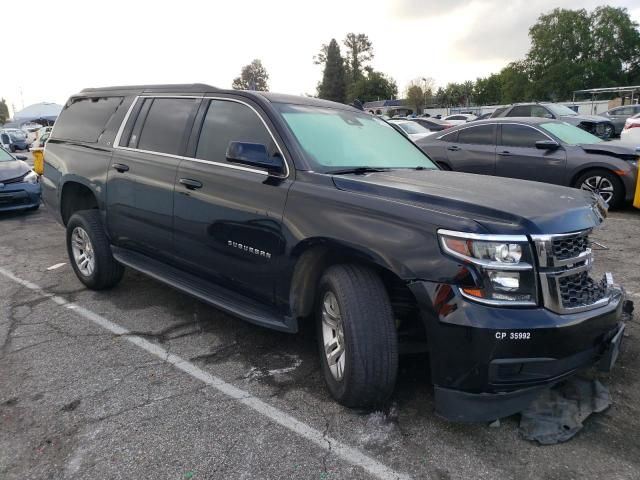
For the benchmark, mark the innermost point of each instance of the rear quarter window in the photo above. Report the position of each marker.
(84, 119)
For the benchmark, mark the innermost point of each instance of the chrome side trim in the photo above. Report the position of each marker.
(499, 123)
(116, 143)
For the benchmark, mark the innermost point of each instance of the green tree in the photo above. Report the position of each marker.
(373, 86)
(415, 98)
(252, 77)
(333, 85)
(487, 91)
(4, 111)
(359, 53)
(515, 85)
(615, 50)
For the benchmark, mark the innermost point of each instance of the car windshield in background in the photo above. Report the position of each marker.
(561, 110)
(333, 138)
(570, 134)
(5, 156)
(16, 137)
(412, 127)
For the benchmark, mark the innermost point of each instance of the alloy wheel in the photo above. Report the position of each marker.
(333, 335)
(599, 185)
(83, 254)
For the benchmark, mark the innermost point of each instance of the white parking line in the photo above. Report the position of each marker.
(57, 265)
(345, 452)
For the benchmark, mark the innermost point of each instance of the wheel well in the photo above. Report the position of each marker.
(316, 259)
(76, 197)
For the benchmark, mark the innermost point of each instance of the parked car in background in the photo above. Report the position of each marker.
(594, 124)
(631, 131)
(13, 139)
(414, 130)
(619, 115)
(19, 184)
(539, 149)
(459, 118)
(43, 131)
(432, 124)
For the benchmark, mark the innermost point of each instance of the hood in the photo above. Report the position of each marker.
(13, 169)
(500, 205)
(615, 148)
(576, 119)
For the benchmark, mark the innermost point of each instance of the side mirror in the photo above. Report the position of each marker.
(547, 145)
(21, 157)
(255, 155)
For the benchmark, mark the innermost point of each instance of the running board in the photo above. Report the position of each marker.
(208, 292)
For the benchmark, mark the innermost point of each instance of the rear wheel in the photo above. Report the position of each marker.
(90, 253)
(603, 183)
(609, 131)
(357, 336)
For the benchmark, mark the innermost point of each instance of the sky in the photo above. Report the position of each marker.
(92, 44)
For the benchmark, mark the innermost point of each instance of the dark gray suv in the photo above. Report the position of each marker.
(538, 149)
(599, 126)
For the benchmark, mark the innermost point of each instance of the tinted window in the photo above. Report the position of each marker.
(165, 124)
(230, 122)
(481, 135)
(520, 111)
(450, 137)
(538, 111)
(520, 136)
(84, 119)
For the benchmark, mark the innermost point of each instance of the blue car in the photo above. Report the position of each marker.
(13, 140)
(19, 185)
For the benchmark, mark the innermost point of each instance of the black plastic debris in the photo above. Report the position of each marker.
(558, 413)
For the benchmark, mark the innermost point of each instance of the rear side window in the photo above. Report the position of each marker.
(226, 122)
(520, 111)
(165, 124)
(84, 119)
(450, 137)
(480, 135)
(520, 136)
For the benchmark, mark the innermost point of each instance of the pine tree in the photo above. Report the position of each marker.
(333, 85)
(4, 111)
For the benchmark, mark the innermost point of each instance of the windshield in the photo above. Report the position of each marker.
(17, 136)
(412, 127)
(5, 156)
(333, 138)
(561, 110)
(570, 134)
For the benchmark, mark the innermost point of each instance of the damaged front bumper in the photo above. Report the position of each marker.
(489, 362)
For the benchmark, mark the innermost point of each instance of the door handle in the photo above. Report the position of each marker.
(190, 184)
(505, 154)
(453, 148)
(121, 167)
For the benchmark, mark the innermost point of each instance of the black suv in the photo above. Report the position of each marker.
(594, 124)
(282, 210)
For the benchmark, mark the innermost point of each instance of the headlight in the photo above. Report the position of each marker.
(31, 177)
(504, 264)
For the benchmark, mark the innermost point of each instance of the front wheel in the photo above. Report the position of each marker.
(357, 336)
(90, 253)
(603, 183)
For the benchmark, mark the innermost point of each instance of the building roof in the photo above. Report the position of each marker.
(44, 110)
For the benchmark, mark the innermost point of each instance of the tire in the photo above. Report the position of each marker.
(12, 148)
(609, 131)
(86, 226)
(369, 338)
(604, 183)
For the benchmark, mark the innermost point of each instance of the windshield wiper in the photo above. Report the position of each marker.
(359, 170)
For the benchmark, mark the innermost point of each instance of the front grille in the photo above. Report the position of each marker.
(580, 290)
(565, 261)
(570, 247)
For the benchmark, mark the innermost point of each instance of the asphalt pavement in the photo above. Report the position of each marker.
(144, 382)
